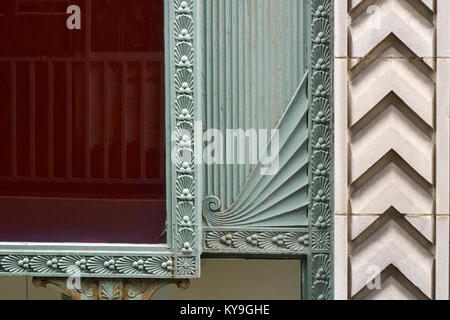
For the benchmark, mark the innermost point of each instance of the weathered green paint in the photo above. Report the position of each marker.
(253, 83)
(320, 257)
(256, 63)
(255, 60)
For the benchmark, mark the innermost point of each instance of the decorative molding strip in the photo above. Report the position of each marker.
(186, 223)
(320, 261)
(98, 266)
(256, 241)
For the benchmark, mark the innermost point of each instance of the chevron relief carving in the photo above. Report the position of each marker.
(395, 287)
(391, 124)
(391, 187)
(392, 131)
(392, 245)
(386, 75)
(398, 17)
(422, 224)
(428, 3)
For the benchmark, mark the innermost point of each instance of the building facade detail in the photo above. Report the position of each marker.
(391, 154)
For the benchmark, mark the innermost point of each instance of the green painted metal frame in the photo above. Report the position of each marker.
(313, 242)
(319, 277)
(180, 256)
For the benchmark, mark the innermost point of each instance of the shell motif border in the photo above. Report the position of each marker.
(320, 258)
(180, 257)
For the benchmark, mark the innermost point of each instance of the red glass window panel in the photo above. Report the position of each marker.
(2, 8)
(41, 7)
(82, 141)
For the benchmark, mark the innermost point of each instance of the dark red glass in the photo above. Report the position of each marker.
(82, 115)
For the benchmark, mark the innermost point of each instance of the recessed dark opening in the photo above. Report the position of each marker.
(82, 145)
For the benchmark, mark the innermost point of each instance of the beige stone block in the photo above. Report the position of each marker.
(340, 258)
(13, 288)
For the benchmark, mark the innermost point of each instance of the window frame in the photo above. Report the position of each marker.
(179, 258)
(317, 259)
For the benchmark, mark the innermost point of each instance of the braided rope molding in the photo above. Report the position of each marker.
(182, 258)
(320, 259)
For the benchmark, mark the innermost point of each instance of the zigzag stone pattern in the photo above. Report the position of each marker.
(391, 126)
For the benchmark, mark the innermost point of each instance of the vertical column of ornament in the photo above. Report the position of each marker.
(185, 243)
(392, 196)
(321, 219)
